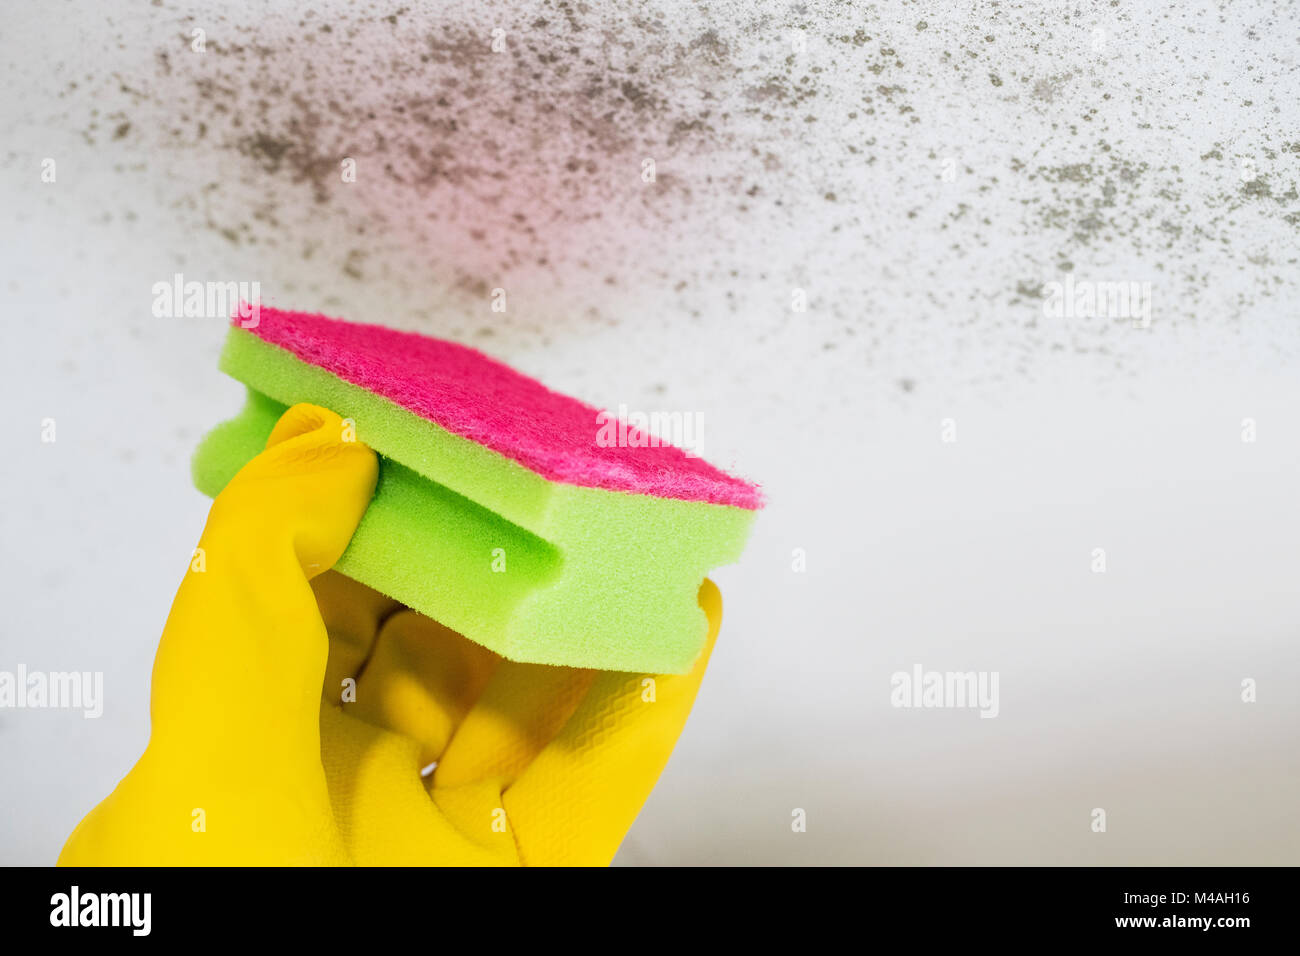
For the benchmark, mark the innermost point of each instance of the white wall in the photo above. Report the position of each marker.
(1121, 158)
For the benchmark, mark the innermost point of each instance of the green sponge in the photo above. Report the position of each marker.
(501, 510)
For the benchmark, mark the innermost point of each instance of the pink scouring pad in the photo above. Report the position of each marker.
(476, 397)
(526, 520)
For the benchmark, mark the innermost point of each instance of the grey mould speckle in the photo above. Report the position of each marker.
(656, 163)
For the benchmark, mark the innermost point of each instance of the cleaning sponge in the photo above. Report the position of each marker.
(498, 512)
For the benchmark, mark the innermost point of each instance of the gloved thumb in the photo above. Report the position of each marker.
(232, 772)
(243, 653)
(312, 484)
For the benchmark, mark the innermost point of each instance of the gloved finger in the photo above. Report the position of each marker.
(520, 711)
(353, 615)
(420, 680)
(384, 813)
(577, 799)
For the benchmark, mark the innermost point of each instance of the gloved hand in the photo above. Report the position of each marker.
(293, 709)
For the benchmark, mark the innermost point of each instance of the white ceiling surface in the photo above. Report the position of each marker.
(1109, 160)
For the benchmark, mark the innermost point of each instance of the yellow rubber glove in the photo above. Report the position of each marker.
(293, 709)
